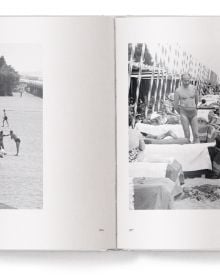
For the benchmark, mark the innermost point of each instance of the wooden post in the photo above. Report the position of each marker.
(160, 92)
(150, 90)
(171, 84)
(130, 65)
(139, 78)
(165, 86)
(157, 83)
(174, 82)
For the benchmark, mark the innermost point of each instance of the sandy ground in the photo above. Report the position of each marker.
(193, 203)
(21, 178)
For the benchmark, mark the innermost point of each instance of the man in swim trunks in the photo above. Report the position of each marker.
(5, 118)
(17, 141)
(185, 103)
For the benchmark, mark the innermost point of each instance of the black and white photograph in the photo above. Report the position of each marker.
(21, 126)
(174, 123)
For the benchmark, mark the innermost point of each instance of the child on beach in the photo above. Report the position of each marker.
(5, 118)
(17, 141)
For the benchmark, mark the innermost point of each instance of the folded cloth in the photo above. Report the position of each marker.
(171, 170)
(175, 173)
(153, 193)
(191, 156)
(148, 169)
(211, 99)
(203, 114)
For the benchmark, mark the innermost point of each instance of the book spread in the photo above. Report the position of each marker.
(110, 133)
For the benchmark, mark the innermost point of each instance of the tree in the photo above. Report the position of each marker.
(137, 54)
(9, 78)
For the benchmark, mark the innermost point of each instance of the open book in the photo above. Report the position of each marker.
(109, 133)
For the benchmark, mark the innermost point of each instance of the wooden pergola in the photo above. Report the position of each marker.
(162, 78)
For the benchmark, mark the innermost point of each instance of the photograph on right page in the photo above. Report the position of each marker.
(174, 123)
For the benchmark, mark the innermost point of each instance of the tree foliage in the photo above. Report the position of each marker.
(137, 54)
(9, 78)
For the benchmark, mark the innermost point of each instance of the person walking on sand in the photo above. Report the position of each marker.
(17, 141)
(185, 103)
(5, 118)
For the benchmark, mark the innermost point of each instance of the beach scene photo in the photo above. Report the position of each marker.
(21, 127)
(174, 125)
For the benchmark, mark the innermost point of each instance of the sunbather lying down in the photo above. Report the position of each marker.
(160, 139)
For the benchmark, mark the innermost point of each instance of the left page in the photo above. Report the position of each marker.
(57, 139)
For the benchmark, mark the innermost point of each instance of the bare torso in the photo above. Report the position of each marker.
(187, 96)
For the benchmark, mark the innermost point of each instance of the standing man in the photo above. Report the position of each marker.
(185, 103)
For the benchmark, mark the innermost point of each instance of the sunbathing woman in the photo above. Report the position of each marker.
(136, 142)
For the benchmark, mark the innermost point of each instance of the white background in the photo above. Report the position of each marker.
(123, 265)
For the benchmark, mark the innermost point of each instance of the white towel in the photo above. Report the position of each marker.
(203, 114)
(191, 156)
(147, 169)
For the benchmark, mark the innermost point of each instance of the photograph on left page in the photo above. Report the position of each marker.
(174, 121)
(21, 126)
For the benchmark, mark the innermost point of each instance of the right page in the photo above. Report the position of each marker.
(168, 144)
